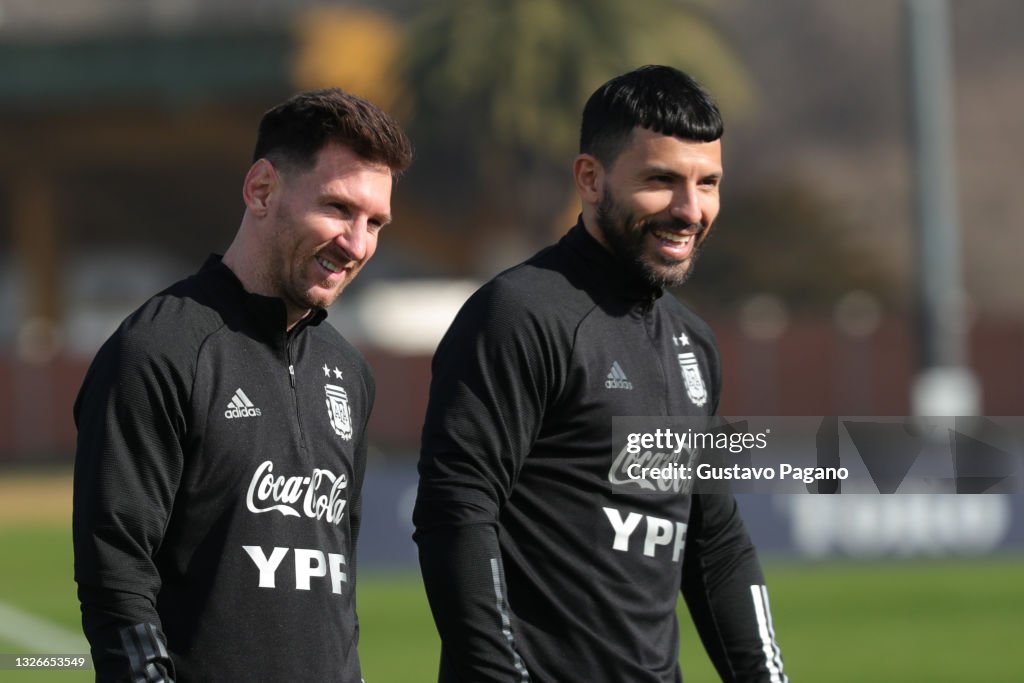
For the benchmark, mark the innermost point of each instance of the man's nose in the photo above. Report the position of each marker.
(686, 204)
(352, 241)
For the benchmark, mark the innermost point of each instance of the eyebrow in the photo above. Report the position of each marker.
(661, 170)
(333, 198)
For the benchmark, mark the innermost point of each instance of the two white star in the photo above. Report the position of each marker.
(327, 371)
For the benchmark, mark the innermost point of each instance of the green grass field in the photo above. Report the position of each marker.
(891, 622)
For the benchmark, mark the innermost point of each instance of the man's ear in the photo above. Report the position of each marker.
(259, 187)
(588, 173)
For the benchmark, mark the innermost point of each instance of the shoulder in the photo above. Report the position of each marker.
(152, 356)
(167, 330)
(180, 318)
(541, 291)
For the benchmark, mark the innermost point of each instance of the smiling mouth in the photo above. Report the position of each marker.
(329, 265)
(673, 238)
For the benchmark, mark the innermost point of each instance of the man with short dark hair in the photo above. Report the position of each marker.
(540, 561)
(222, 428)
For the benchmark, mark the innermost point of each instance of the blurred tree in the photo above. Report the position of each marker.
(495, 91)
(785, 238)
(349, 48)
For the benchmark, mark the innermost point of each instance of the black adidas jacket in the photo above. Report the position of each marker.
(539, 565)
(217, 491)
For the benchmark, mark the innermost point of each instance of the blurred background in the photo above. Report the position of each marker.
(126, 127)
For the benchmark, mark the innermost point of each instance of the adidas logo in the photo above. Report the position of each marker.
(241, 406)
(617, 378)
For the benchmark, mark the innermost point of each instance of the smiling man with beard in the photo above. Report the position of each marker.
(222, 428)
(670, 199)
(542, 561)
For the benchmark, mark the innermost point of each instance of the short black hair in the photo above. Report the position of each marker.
(293, 133)
(660, 98)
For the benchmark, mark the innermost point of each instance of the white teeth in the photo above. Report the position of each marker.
(682, 240)
(328, 265)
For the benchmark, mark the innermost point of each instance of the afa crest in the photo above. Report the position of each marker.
(338, 411)
(695, 388)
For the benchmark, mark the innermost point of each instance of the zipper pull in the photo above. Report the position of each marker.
(291, 375)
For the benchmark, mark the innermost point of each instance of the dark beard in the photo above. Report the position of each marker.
(625, 236)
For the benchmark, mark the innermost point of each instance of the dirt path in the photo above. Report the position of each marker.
(35, 498)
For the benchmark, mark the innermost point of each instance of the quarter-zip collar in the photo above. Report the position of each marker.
(265, 317)
(608, 273)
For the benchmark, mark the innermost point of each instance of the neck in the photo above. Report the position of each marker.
(244, 260)
(241, 261)
(293, 320)
(590, 224)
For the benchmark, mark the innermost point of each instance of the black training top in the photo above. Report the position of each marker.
(217, 478)
(541, 561)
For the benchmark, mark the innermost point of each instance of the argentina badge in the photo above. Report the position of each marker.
(695, 388)
(338, 410)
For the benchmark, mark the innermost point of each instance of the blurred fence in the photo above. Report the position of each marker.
(812, 527)
(807, 367)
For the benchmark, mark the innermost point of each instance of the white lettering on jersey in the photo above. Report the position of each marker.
(320, 493)
(267, 567)
(623, 529)
(659, 533)
(309, 565)
(618, 473)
